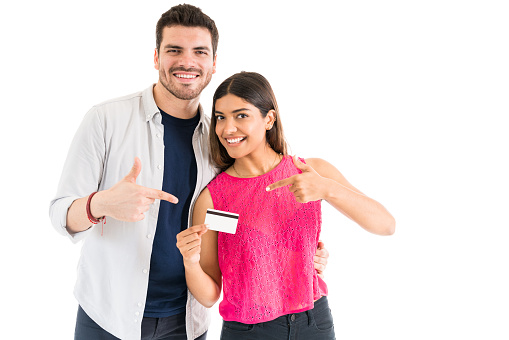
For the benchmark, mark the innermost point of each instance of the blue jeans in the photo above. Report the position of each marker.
(169, 328)
(309, 325)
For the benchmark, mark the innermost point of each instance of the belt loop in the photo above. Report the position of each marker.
(311, 317)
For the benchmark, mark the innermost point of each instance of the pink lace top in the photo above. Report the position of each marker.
(267, 266)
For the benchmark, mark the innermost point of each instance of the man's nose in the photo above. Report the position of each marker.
(187, 60)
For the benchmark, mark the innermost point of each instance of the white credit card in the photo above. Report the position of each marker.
(222, 221)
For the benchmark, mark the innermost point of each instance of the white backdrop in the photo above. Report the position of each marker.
(409, 99)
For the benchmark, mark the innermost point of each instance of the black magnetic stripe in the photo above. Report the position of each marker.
(222, 214)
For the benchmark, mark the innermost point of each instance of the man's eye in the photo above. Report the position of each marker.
(242, 115)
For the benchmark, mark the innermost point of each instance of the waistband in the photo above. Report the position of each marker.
(306, 316)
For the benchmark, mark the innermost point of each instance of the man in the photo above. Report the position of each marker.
(131, 281)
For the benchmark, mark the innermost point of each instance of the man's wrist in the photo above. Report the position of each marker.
(94, 206)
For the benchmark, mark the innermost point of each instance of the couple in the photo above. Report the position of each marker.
(131, 280)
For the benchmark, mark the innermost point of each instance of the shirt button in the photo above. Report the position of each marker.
(135, 320)
(158, 135)
(149, 116)
(137, 313)
(292, 317)
(140, 304)
(149, 236)
(159, 166)
(145, 271)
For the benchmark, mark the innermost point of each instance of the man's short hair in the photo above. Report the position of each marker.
(189, 16)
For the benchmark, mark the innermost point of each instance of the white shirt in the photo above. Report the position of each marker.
(114, 267)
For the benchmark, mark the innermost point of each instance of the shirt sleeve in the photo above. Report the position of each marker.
(82, 172)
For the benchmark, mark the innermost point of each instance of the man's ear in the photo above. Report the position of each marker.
(156, 59)
(214, 64)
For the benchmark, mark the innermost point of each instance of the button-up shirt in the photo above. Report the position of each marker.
(114, 266)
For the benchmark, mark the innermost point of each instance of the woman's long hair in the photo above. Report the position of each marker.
(256, 90)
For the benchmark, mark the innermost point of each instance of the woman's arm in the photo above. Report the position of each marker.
(321, 180)
(198, 246)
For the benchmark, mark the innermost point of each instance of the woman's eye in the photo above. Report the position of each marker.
(219, 117)
(242, 115)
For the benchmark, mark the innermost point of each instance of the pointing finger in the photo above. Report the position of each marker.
(161, 195)
(281, 183)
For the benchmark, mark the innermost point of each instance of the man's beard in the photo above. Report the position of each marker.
(182, 91)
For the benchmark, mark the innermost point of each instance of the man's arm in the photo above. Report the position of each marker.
(83, 174)
(125, 201)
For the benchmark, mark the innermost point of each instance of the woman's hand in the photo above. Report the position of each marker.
(189, 243)
(307, 186)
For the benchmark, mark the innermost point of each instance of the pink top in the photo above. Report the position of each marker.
(267, 266)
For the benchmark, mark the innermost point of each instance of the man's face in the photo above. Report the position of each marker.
(185, 61)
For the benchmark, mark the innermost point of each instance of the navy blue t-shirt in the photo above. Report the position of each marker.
(167, 289)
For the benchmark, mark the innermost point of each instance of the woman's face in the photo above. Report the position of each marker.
(240, 126)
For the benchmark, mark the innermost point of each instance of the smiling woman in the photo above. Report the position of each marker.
(240, 126)
(239, 103)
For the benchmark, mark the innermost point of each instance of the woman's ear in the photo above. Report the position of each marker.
(270, 119)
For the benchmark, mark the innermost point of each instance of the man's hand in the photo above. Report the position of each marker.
(189, 243)
(306, 187)
(126, 200)
(320, 259)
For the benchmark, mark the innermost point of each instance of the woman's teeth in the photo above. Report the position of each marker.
(235, 140)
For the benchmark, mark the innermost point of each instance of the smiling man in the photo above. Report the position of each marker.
(134, 170)
(184, 69)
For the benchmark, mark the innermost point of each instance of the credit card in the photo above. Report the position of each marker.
(222, 221)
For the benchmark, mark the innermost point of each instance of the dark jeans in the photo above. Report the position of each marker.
(169, 328)
(309, 325)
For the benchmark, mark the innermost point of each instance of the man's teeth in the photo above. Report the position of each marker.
(234, 140)
(187, 76)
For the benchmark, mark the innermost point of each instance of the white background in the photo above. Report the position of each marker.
(409, 99)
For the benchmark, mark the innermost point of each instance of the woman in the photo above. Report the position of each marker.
(271, 290)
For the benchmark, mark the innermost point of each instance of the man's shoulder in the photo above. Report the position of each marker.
(127, 99)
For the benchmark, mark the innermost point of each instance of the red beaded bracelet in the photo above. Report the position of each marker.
(89, 214)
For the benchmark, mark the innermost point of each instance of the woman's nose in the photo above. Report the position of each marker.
(229, 126)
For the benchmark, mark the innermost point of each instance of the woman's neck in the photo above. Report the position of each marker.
(252, 166)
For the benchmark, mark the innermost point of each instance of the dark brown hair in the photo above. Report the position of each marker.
(256, 90)
(188, 16)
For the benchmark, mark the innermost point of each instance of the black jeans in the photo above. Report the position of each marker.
(309, 325)
(169, 328)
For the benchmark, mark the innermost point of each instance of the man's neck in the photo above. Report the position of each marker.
(184, 109)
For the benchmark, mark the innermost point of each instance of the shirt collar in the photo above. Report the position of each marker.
(151, 109)
(149, 104)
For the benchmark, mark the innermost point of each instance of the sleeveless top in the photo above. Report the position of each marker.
(267, 265)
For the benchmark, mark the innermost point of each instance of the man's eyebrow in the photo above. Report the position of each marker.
(173, 46)
(201, 48)
(198, 48)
